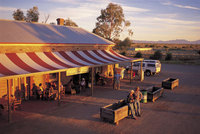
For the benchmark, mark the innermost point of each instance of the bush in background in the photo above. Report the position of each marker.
(123, 45)
(138, 55)
(168, 56)
(152, 46)
(166, 47)
(198, 52)
(157, 55)
(123, 53)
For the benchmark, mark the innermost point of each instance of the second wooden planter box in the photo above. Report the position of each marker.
(170, 83)
(153, 93)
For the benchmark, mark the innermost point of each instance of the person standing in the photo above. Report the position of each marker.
(117, 81)
(131, 103)
(138, 97)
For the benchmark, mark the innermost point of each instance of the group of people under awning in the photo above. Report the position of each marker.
(73, 87)
(102, 80)
(49, 93)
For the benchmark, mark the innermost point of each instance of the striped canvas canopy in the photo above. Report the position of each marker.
(34, 62)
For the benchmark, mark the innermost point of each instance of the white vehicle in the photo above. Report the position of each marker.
(150, 67)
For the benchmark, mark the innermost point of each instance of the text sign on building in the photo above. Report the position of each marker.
(74, 71)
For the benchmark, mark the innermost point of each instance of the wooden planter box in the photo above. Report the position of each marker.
(170, 83)
(113, 113)
(153, 93)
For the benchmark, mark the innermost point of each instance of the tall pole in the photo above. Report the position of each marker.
(141, 71)
(131, 72)
(9, 102)
(25, 90)
(92, 81)
(114, 76)
(59, 85)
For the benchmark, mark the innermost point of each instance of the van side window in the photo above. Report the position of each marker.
(151, 65)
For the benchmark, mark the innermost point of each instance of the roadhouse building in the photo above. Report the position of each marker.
(33, 53)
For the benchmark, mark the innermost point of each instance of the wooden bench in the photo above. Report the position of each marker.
(16, 104)
(1, 108)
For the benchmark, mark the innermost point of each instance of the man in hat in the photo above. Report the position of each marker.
(138, 97)
(131, 103)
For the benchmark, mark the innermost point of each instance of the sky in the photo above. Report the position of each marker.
(151, 20)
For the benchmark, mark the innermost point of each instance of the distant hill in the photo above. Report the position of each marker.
(178, 41)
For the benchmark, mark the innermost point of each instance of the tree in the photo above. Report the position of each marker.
(111, 22)
(198, 51)
(46, 18)
(157, 55)
(125, 44)
(168, 56)
(138, 55)
(32, 14)
(69, 22)
(123, 53)
(18, 15)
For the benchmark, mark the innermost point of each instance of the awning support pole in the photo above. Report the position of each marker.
(92, 81)
(114, 76)
(141, 71)
(9, 102)
(59, 85)
(131, 72)
(25, 90)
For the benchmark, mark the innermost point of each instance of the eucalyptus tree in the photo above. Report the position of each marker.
(111, 22)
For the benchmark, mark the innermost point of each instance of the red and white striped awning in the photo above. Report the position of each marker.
(34, 62)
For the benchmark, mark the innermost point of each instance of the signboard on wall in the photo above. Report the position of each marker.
(75, 71)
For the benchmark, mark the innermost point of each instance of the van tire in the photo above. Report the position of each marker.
(148, 73)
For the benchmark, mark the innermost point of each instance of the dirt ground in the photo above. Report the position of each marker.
(177, 112)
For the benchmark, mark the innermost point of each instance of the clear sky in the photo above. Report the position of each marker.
(150, 19)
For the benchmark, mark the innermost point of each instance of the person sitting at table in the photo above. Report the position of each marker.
(49, 91)
(83, 84)
(97, 77)
(34, 90)
(42, 92)
(69, 86)
(54, 85)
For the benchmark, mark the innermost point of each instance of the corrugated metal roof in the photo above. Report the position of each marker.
(23, 32)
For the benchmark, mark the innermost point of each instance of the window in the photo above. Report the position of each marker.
(151, 65)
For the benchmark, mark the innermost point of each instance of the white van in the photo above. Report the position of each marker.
(150, 67)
